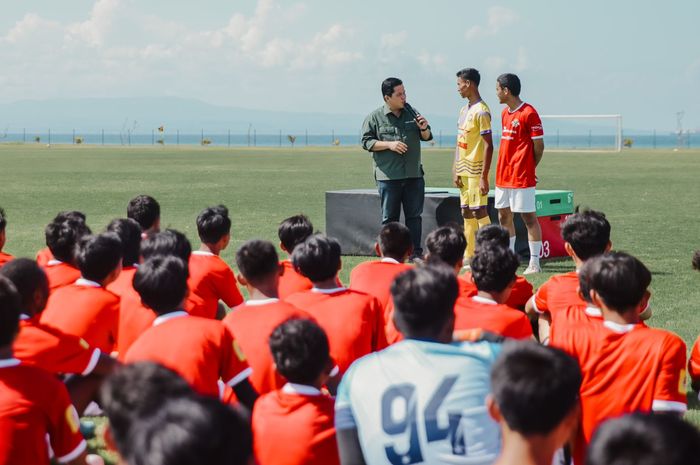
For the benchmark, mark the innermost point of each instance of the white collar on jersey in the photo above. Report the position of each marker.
(9, 362)
(203, 253)
(301, 389)
(328, 291)
(87, 283)
(256, 302)
(519, 107)
(169, 316)
(389, 260)
(619, 328)
(593, 311)
(24, 317)
(484, 300)
(53, 262)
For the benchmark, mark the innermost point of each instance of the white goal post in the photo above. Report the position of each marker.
(575, 128)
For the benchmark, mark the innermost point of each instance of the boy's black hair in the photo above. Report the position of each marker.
(469, 74)
(63, 237)
(446, 244)
(534, 386)
(99, 255)
(424, 299)
(144, 209)
(493, 268)
(317, 258)
(511, 82)
(129, 233)
(395, 240)
(300, 350)
(69, 215)
(9, 312)
(588, 233)
(213, 224)
(27, 277)
(293, 231)
(168, 242)
(619, 278)
(257, 260)
(492, 235)
(191, 430)
(3, 220)
(138, 390)
(645, 439)
(161, 281)
(388, 86)
(696, 260)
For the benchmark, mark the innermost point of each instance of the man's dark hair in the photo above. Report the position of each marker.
(588, 232)
(27, 277)
(394, 240)
(317, 258)
(99, 255)
(389, 84)
(424, 299)
(161, 281)
(493, 268)
(168, 242)
(3, 220)
(294, 230)
(492, 235)
(511, 82)
(446, 244)
(70, 215)
(300, 350)
(63, 236)
(129, 233)
(645, 439)
(9, 312)
(213, 224)
(619, 278)
(144, 209)
(696, 260)
(138, 390)
(257, 260)
(534, 386)
(191, 430)
(469, 74)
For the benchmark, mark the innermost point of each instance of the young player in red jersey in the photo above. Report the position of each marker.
(395, 246)
(44, 256)
(252, 322)
(626, 365)
(145, 210)
(521, 149)
(201, 350)
(353, 320)
(4, 257)
(86, 309)
(292, 232)
(62, 238)
(211, 279)
(35, 410)
(129, 233)
(294, 425)
(535, 399)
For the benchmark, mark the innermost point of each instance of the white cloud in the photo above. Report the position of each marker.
(521, 60)
(393, 40)
(92, 31)
(498, 19)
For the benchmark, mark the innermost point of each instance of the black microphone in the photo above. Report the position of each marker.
(411, 111)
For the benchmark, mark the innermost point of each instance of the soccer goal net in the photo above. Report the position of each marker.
(578, 133)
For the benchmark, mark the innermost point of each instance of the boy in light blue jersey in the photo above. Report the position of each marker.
(421, 400)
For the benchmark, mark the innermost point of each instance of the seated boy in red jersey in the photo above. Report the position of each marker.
(62, 238)
(35, 410)
(211, 279)
(394, 245)
(292, 232)
(694, 361)
(86, 308)
(493, 270)
(252, 322)
(353, 320)
(294, 425)
(201, 350)
(44, 255)
(145, 210)
(134, 316)
(129, 233)
(626, 365)
(4, 257)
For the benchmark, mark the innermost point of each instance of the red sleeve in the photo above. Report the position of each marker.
(541, 298)
(694, 362)
(535, 125)
(227, 288)
(669, 392)
(379, 341)
(521, 293)
(234, 366)
(67, 442)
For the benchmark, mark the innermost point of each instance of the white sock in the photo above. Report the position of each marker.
(535, 248)
(512, 243)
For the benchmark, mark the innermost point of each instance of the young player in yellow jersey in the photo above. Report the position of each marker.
(473, 157)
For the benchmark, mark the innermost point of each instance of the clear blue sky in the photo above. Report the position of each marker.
(640, 59)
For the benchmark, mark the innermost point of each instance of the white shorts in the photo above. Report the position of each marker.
(518, 200)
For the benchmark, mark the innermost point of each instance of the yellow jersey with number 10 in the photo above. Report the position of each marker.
(474, 122)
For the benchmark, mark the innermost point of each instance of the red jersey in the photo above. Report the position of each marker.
(60, 274)
(201, 350)
(694, 362)
(625, 368)
(52, 350)
(568, 319)
(35, 411)
(211, 280)
(557, 293)
(294, 426)
(375, 278)
(480, 313)
(516, 157)
(43, 257)
(87, 310)
(124, 283)
(134, 319)
(519, 295)
(353, 321)
(4, 258)
(291, 282)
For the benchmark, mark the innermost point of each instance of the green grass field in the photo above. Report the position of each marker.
(649, 197)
